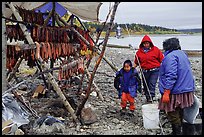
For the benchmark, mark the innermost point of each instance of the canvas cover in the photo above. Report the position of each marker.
(84, 10)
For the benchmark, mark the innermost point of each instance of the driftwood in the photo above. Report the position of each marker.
(44, 66)
(80, 107)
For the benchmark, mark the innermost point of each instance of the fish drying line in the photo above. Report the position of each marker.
(45, 67)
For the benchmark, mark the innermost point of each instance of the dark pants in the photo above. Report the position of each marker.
(176, 119)
(151, 78)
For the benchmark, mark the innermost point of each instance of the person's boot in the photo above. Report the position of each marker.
(188, 129)
(176, 129)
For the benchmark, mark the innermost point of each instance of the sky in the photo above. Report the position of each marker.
(173, 15)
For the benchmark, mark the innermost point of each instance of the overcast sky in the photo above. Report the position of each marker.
(174, 15)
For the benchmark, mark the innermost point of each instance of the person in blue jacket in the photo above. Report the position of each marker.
(127, 82)
(176, 83)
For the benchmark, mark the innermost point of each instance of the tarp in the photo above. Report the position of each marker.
(48, 7)
(85, 10)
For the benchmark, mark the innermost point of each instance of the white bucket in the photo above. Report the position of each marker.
(150, 114)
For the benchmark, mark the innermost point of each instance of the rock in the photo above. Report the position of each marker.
(122, 122)
(115, 120)
(19, 132)
(88, 116)
(54, 128)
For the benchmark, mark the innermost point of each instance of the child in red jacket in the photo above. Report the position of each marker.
(149, 57)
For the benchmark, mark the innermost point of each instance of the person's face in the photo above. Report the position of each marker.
(127, 67)
(146, 44)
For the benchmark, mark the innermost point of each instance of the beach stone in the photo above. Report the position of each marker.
(115, 120)
(88, 116)
(55, 127)
(122, 122)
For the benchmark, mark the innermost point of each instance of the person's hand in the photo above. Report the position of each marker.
(165, 97)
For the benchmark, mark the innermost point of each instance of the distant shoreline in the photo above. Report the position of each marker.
(191, 53)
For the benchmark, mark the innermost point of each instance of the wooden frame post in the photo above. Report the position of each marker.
(80, 107)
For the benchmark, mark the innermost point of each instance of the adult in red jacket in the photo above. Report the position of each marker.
(149, 57)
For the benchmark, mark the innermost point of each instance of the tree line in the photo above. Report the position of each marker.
(132, 28)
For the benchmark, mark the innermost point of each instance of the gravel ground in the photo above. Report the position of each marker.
(109, 119)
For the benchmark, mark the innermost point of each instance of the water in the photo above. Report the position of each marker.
(187, 42)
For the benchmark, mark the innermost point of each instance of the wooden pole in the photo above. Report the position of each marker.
(53, 24)
(47, 19)
(80, 107)
(4, 48)
(109, 62)
(94, 84)
(12, 74)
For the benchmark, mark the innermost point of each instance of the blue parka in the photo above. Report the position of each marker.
(175, 73)
(133, 83)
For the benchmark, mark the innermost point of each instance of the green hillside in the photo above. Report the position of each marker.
(131, 29)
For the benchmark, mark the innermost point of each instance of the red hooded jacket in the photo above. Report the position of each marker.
(150, 59)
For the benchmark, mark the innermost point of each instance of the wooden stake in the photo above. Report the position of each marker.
(80, 107)
(94, 84)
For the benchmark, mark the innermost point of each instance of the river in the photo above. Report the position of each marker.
(187, 41)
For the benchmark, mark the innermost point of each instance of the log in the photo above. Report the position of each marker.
(80, 107)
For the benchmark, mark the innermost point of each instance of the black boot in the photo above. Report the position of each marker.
(176, 129)
(188, 129)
